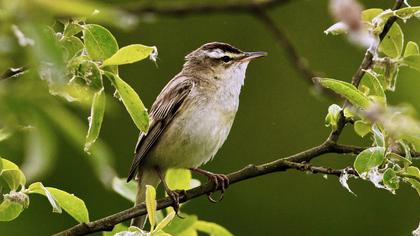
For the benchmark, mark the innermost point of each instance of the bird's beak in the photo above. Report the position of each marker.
(252, 55)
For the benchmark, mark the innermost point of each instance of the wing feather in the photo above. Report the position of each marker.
(163, 110)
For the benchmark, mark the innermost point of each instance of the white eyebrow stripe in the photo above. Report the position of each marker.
(216, 53)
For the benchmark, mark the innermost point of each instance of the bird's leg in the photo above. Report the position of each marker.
(219, 180)
(174, 194)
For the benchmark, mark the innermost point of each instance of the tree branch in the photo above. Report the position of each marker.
(299, 63)
(197, 7)
(250, 171)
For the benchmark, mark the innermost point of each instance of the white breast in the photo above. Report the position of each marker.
(197, 133)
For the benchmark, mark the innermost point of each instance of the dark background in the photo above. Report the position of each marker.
(278, 116)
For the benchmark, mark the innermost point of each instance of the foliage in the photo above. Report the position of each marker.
(65, 61)
(394, 131)
(72, 57)
(179, 179)
(17, 199)
(69, 58)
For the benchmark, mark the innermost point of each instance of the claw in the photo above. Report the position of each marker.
(210, 198)
(176, 195)
(175, 198)
(220, 181)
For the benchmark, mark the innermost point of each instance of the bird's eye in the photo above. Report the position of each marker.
(226, 59)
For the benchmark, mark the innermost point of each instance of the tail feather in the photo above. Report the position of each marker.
(144, 177)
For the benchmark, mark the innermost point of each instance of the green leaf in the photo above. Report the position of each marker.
(12, 178)
(151, 205)
(117, 228)
(72, 28)
(211, 228)
(407, 12)
(412, 61)
(411, 49)
(165, 221)
(177, 225)
(412, 171)
(127, 190)
(73, 46)
(390, 179)
(349, 112)
(129, 54)
(378, 136)
(347, 90)
(100, 43)
(95, 120)
(131, 101)
(404, 13)
(368, 159)
(362, 128)
(39, 188)
(91, 73)
(11, 173)
(369, 14)
(47, 54)
(178, 178)
(407, 150)
(387, 72)
(393, 42)
(415, 184)
(73, 205)
(413, 139)
(10, 210)
(376, 90)
(397, 158)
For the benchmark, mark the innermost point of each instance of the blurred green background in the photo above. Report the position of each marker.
(278, 116)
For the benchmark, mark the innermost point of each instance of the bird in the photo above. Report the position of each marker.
(191, 119)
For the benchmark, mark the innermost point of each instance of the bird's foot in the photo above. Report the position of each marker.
(220, 181)
(175, 195)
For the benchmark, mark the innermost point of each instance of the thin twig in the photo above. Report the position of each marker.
(257, 7)
(298, 62)
(366, 64)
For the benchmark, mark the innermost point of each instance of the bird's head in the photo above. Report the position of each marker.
(220, 59)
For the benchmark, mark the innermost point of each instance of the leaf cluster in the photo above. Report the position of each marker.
(394, 130)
